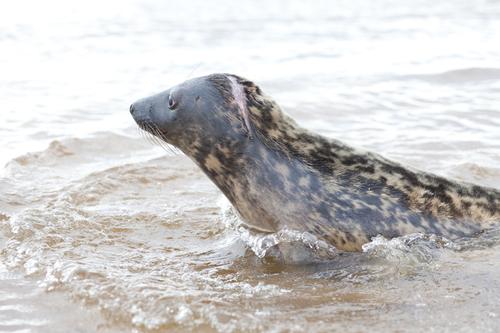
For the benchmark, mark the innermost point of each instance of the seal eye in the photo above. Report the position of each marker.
(171, 103)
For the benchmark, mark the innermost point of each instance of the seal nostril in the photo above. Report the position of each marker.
(132, 110)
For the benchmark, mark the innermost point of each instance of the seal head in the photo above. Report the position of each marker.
(195, 115)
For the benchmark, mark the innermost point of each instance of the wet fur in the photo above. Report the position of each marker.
(279, 175)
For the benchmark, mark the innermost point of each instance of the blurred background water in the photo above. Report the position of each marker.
(102, 231)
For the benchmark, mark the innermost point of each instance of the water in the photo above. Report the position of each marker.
(118, 235)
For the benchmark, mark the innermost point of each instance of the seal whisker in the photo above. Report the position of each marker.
(149, 137)
(144, 135)
(160, 140)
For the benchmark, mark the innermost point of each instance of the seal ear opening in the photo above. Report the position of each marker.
(241, 104)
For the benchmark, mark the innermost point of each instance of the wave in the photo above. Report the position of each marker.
(76, 151)
(459, 76)
(145, 242)
(475, 173)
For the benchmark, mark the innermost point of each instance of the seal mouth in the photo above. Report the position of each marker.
(152, 133)
(145, 124)
(151, 128)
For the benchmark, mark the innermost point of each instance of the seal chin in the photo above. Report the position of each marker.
(145, 124)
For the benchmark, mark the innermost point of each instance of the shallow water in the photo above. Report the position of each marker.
(102, 231)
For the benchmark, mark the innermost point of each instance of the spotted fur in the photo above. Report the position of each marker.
(277, 175)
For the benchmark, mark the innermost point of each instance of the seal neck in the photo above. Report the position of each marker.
(256, 180)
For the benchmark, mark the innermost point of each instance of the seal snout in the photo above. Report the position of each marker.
(134, 111)
(152, 114)
(140, 111)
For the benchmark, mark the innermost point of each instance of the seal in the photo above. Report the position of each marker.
(278, 175)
